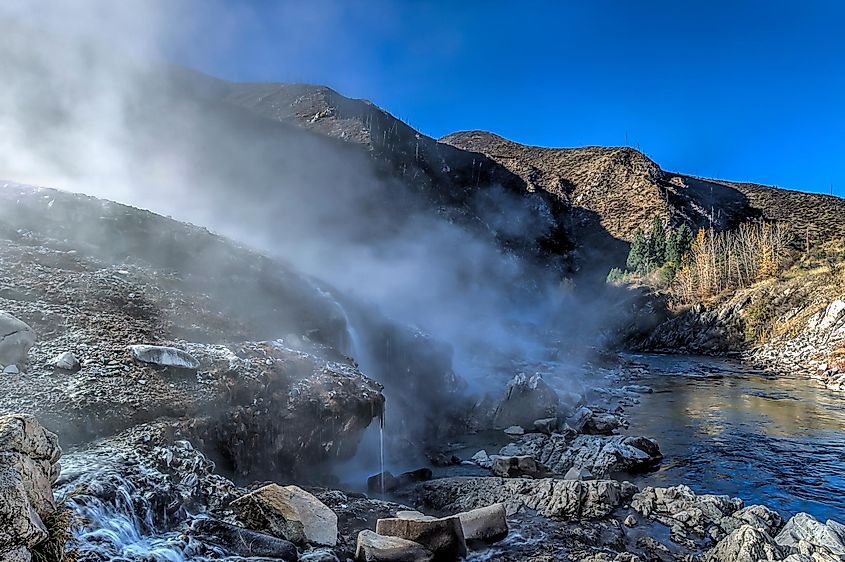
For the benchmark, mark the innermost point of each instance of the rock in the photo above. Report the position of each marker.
(576, 473)
(164, 356)
(602, 424)
(66, 361)
(29, 457)
(517, 467)
(630, 521)
(444, 537)
(758, 516)
(546, 425)
(804, 526)
(638, 389)
(413, 476)
(443, 459)
(319, 555)
(482, 459)
(515, 430)
(567, 500)
(243, 542)
(382, 482)
(579, 419)
(372, 547)
(526, 399)
(683, 511)
(16, 337)
(11, 370)
(488, 524)
(288, 512)
(602, 456)
(745, 544)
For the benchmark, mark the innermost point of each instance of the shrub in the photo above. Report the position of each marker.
(60, 545)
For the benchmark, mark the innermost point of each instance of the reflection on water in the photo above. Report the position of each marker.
(727, 429)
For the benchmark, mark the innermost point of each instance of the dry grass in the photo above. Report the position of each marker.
(60, 545)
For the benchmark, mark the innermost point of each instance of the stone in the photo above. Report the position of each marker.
(66, 361)
(164, 356)
(526, 399)
(488, 524)
(803, 526)
(576, 473)
(373, 547)
(515, 430)
(745, 544)
(482, 459)
(683, 510)
(444, 537)
(382, 482)
(637, 389)
(602, 424)
(546, 425)
(412, 476)
(579, 419)
(288, 512)
(11, 370)
(518, 467)
(630, 521)
(758, 516)
(243, 542)
(319, 555)
(16, 337)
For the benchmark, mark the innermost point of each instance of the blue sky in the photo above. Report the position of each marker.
(738, 90)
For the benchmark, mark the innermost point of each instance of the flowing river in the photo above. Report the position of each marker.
(727, 429)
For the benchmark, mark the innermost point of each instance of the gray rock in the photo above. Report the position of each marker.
(243, 542)
(288, 512)
(11, 370)
(488, 524)
(372, 547)
(576, 473)
(630, 521)
(518, 467)
(482, 459)
(745, 544)
(164, 356)
(579, 419)
(684, 511)
(319, 555)
(758, 516)
(66, 361)
(16, 337)
(546, 425)
(803, 526)
(602, 424)
(638, 389)
(444, 537)
(515, 430)
(526, 399)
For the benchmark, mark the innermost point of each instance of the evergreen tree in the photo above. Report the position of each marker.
(656, 244)
(678, 243)
(638, 255)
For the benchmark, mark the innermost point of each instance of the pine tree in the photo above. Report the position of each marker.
(656, 244)
(638, 255)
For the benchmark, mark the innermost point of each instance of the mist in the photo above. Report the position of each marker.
(92, 104)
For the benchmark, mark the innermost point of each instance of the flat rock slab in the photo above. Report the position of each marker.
(488, 524)
(164, 356)
(373, 547)
(243, 542)
(444, 537)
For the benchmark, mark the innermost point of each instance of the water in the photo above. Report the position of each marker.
(727, 429)
(381, 453)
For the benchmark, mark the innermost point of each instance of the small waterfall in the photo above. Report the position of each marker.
(353, 346)
(381, 452)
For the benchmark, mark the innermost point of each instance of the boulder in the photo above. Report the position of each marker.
(576, 473)
(805, 527)
(515, 430)
(579, 419)
(373, 547)
(243, 542)
(164, 356)
(382, 482)
(526, 399)
(16, 337)
(444, 537)
(758, 516)
(546, 425)
(11, 370)
(602, 424)
(29, 456)
(684, 511)
(66, 361)
(319, 555)
(488, 524)
(482, 459)
(518, 467)
(288, 512)
(745, 544)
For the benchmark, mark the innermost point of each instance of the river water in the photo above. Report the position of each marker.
(724, 428)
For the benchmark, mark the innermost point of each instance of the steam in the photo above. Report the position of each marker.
(81, 115)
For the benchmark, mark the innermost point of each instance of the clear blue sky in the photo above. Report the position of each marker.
(738, 90)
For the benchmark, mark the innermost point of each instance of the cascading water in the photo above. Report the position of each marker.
(381, 453)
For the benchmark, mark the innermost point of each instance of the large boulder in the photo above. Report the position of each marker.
(243, 542)
(488, 524)
(373, 547)
(16, 337)
(444, 537)
(164, 356)
(29, 457)
(805, 527)
(288, 512)
(526, 399)
(518, 467)
(745, 544)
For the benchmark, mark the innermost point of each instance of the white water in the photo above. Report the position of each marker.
(381, 454)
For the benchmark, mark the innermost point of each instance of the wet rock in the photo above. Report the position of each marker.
(576, 473)
(630, 521)
(413, 476)
(373, 547)
(518, 467)
(526, 399)
(66, 361)
(758, 516)
(602, 424)
(745, 544)
(637, 389)
(11, 370)
(16, 337)
(444, 537)
(288, 512)
(487, 524)
(164, 356)
(482, 459)
(443, 459)
(319, 555)
(546, 425)
(382, 482)
(29, 457)
(579, 419)
(803, 526)
(515, 430)
(243, 542)
(567, 500)
(600, 455)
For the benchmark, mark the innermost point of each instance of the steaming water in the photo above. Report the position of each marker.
(381, 454)
(728, 429)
